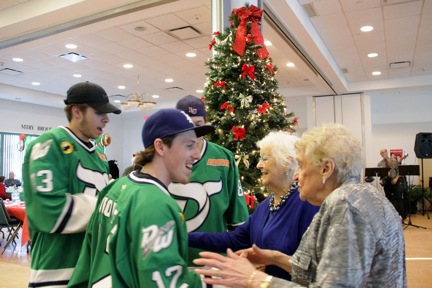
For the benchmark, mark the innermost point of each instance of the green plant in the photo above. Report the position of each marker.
(415, 193)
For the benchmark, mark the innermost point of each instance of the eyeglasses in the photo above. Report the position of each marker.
(264, 159)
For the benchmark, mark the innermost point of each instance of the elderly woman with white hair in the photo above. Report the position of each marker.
(355, 240)
(279, 221)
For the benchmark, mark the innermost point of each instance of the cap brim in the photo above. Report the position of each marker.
(204, 130)
(105, 107)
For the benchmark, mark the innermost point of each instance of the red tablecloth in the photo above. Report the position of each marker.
(19, 212)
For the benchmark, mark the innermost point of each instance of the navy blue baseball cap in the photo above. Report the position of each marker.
(167, 122)
(191, 105)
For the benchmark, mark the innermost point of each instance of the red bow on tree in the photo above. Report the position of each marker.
(296, 120)
(263, 108)
(220, 83)
(252, 14)
(239, 133)
(248, 70)
(270, 67)
(227, 106)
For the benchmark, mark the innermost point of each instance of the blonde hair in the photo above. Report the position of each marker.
(336, 142)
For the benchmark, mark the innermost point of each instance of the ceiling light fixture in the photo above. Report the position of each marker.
(71, 46)
(376, 73)
(372, 55)
(136, 100)
(366, 28)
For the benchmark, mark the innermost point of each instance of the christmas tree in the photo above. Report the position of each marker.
(241, 93)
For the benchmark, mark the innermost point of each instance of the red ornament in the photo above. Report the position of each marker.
(227, 106)
(248, 70)
(22, 137)
(239, 133)
(263, 108)
(296, 121)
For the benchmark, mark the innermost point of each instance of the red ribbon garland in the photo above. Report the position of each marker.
(263, 108)
(248, 70)
(252, 14)
(239, 133)
(220, 83)
(227, 106)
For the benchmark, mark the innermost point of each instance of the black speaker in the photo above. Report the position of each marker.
(423, 145)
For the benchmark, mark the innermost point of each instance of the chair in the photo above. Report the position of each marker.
(12, 224)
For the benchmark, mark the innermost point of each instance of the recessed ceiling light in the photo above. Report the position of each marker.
(199, 91)
(376, 73)
(117, 101)
(155, 96)
(71, 46)
(191, 55)
(128, 66)
(267, 43)
(366, 28)
(77, 75)
(16, 59)
(35, 83)
(372, 55)
(121, 87)
(169, 80)
(290, 64)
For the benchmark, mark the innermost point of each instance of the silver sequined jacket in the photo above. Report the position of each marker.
(355, 240)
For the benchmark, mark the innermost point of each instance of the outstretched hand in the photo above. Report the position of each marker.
(231, 271)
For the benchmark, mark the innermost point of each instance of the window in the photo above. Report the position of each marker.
(11, 156)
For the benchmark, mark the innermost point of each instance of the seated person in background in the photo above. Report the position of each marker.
(355, 240)
(12, 181)
(3, 194)
(278, 223)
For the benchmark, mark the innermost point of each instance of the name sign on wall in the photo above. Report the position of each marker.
(35, 128)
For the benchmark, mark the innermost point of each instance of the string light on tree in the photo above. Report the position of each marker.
(242, 78)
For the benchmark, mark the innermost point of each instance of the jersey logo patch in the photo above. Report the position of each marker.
(218, 162)
(155, 239)
(39, 150)
(66, 147)
(201, 195)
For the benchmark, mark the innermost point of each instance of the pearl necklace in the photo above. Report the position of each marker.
(275, 208)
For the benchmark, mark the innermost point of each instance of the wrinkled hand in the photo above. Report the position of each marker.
(260, 256)
(234, 270)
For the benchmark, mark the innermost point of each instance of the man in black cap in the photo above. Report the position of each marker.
(62, 173)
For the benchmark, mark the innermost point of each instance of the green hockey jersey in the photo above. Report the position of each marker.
(136, 238)
(62, 176)
(214, 199)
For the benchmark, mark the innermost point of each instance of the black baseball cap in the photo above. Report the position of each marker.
(167, 122)
(91, 94)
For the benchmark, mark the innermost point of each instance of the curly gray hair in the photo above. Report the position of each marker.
(336, 142)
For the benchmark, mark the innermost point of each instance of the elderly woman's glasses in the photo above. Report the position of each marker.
(264, 159)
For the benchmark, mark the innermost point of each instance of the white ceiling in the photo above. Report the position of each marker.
(332, 58)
